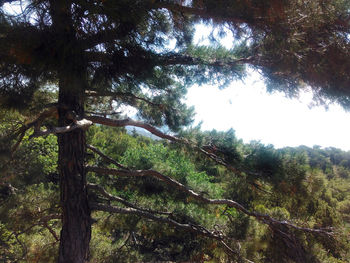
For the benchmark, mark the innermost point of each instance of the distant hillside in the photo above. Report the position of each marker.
(142, 132)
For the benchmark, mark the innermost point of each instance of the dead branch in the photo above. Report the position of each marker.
(102, 191)
(81, 124)
(264, 218)
(95, 150)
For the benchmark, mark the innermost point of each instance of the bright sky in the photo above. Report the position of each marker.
(269, 118)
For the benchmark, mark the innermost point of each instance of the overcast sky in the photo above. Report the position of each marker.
(270, 118)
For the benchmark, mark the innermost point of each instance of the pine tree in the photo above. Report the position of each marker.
(119, 52)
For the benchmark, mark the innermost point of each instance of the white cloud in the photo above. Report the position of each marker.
(270, 118)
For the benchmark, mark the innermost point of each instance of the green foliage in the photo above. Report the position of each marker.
(299, 194)
(302, 192)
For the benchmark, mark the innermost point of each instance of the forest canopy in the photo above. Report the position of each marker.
(69, 68)
(304, 185)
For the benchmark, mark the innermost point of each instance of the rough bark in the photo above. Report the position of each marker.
(76, 222)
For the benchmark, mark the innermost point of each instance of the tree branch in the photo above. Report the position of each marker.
(102, 191)
(103, 36)
(95, 150)
(200, 12)
(169, 59)
(81, 124)
(120, 95)
(175, 59)
(24, 247)
(52, 232)
(130, 122)
(104, 113)
(155, 131)
(264, 218)
(36, 124)
(41, 221)
(200, 230)
(20, 139)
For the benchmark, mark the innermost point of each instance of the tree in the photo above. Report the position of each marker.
(120, 50)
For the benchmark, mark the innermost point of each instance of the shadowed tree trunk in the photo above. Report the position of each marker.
(76, 228)
(72, 75)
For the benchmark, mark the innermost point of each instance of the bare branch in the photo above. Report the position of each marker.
(130, 122)
(82, 124)
(189, 227)
(102, 191)
(264, 218)
(95, 150)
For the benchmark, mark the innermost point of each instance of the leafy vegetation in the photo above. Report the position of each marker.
(304, 185)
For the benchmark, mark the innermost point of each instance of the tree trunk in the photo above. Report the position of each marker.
(76, 222)
(72, 75)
